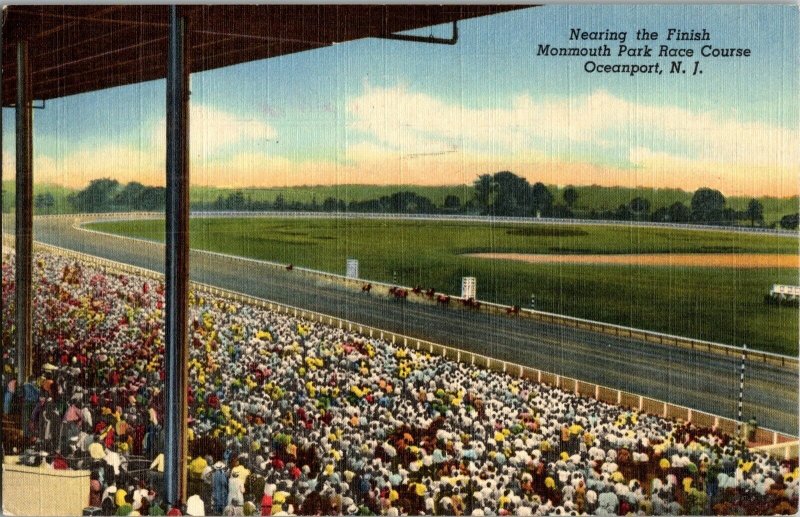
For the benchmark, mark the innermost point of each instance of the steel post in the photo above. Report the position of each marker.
(24, 216)
(2, 16)
(176, 268)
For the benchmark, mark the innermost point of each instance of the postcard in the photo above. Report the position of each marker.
(400, 259)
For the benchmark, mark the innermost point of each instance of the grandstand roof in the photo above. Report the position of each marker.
(81, 48)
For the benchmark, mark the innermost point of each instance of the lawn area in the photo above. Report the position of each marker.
(716, 304)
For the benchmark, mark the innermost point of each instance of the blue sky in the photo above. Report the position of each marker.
(387, 112)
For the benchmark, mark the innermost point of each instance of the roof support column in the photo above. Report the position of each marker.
(24, 216)
(2, 42)
(176, 261)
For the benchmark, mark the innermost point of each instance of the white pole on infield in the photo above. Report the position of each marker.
(741, 394)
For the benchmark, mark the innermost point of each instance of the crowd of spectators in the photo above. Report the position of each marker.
(291, 417)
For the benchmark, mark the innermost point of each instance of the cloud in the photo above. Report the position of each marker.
(78, 167)
(598, 128)
(397, 136)
(214, 131)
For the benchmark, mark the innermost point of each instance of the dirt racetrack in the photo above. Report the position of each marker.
(730, 260)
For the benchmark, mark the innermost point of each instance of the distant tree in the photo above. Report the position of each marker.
(137, 197)
(280, 203)
(130, 196)
(152, 198)
(407, 202)
(570, 196)
(504, 194)
(755, 212)
(560, 211)
(330, 204)
(484, 193)
(640, 206)
(708, 205)
(623, 213)
(44, 203)
(98, 196)
(469, 206)
(452, 202)
(660, 215)
(368, 205)
(679, 212)
(542, 199)
(730, 216)
(790, 221)
(237, 201)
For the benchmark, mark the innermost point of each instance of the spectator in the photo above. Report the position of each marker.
(321, 420)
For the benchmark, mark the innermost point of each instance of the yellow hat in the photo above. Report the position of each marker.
(96, 451)
(549, 482)
(664, 463)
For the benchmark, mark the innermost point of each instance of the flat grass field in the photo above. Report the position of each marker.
(716, 304)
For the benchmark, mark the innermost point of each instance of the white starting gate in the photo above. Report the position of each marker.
(788, 292)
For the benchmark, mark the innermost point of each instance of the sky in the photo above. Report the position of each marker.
(377, 111)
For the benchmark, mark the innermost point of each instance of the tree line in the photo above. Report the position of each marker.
(108, 195)
(506, 194)
(500, 194)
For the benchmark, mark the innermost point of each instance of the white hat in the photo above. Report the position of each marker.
(195, 506)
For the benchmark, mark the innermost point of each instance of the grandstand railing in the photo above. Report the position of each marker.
(648, 336)
(785, 445)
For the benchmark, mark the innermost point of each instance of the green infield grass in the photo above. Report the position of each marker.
(725, 305)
